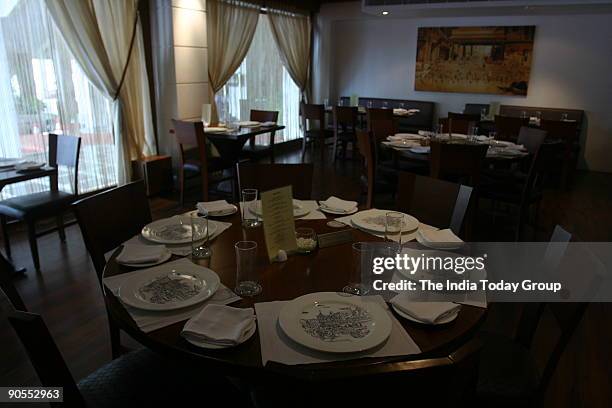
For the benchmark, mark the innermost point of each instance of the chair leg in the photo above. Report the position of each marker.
(60, 227)
(182, 185)
(115, 337)
(303, 148)
(335, 152)
(33, 244)
(5, 236)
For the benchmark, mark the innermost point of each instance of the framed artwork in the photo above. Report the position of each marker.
(491, 60)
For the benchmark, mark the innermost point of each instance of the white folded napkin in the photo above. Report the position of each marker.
(440, 237)
(28, 165)
(399, 111)
(268, 124)
(426, 312)
(141, 254)
(337, 204)
(214, 206)
(220, 325)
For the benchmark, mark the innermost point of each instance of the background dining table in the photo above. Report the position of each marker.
(230, 143)
(324, 270)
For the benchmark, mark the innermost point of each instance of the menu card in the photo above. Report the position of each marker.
(278, 222)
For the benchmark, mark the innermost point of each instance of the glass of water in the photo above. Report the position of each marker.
(473, 134)
(361, 269)
(564, 117)
(200, 248)
(369, 104)
(247, 279)
(393, 227)
(249, 202)
(385, 105)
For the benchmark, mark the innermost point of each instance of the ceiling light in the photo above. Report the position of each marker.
(384, 13)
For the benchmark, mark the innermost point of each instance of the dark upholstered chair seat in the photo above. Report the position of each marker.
(143, 378)
(37, 205)
(507, 373)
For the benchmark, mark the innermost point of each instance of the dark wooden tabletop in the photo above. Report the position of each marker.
(14, 176)
(326, 269)
(229, 144)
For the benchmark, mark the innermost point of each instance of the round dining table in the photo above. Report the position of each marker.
(324, 270)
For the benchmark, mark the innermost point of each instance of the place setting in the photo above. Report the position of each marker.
(337, 206)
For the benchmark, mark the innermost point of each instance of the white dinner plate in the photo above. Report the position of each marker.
(446, 319)
(406, 136)
(163, 259)
(420, 149)
(171, 286)
(215, 129)
(330, 322)
(247, 335)
(334, 212)
(249, 123)
(404, 144)
(298, 209)
(374, 220)
(173, 230)
(28, 165)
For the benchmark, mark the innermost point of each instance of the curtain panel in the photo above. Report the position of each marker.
(105, 37)
(230, 26)
(292, 34)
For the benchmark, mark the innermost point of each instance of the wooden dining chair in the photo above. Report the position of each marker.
(64, 152)
(462, 126)
(371, 181)
(457, 161)
(264, 177)
(508, 127)
(196, 160)
(531, 138)
(314, 127)
(439, 203)
(381, 123)
(469, 117)
(345, 125)
(138, 378)
(254, 151)
(568, 133)
(107, 220)
(508, 375)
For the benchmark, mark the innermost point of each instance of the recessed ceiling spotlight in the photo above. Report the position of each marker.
(384, 13)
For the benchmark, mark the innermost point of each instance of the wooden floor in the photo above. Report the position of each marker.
(68, 296)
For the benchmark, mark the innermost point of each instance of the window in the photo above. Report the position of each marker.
(262, 82)
(42, 90)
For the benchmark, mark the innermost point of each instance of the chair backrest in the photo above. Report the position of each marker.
(345, 117)
(44, 355)
(476, 108)
(455, 161)
(470, 117)
(451, 125)
(311, 111)
(266, 177)
(6, 284)
(560, 129)
(264, 116)
(365, 144)
(508, 127)
(531, 138)
(381, 123)
(110, 218)
(65, 150)
(436, 202)
(191, 139)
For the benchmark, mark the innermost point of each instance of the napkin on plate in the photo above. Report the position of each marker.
(426, 312)
(141, 254)
(339, 205)
(439, 239)
(220, 325)
(400, 111)
(214, 206)
(265, 124)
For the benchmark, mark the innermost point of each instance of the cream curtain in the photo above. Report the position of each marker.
(231, 25)
(99, 33)
(292, 33)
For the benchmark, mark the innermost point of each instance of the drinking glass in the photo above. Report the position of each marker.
(199, 237)
(326, 103)
(483, 114)
(538, 115)
(340, 102)
(206, 114)
(369, 104)
(402, 105)
(564, 117)
(361, 269)
(473, 134)
(523, 114)
(393, 226)
(492, 138)
(385, 105)
(250, 218)
(247, 279)
(306, 240)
